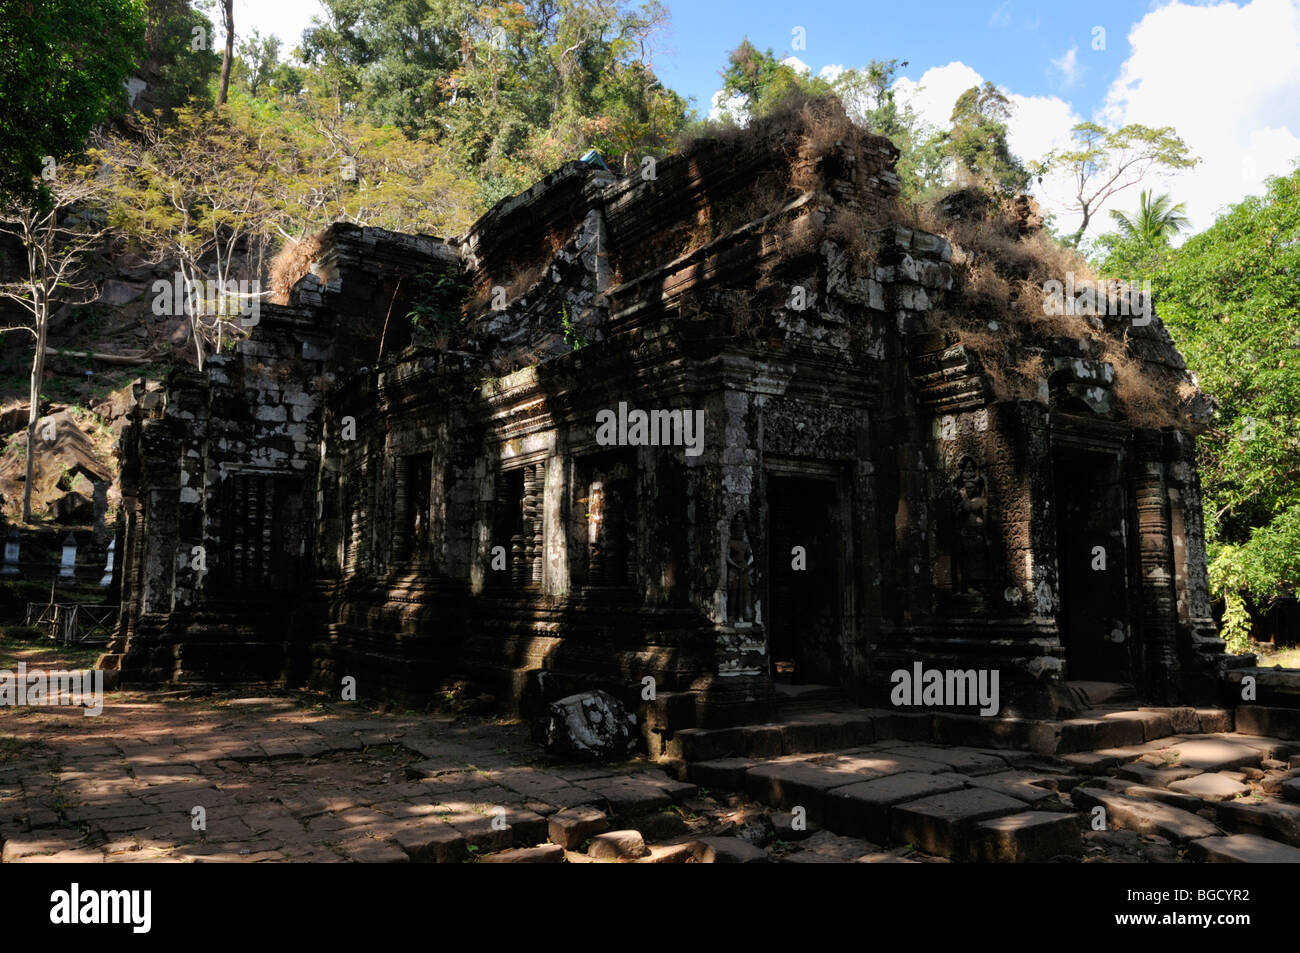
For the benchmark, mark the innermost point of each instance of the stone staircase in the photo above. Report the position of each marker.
(979, 789)
(817, 721)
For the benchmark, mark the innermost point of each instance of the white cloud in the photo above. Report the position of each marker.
(735, 105)
(831, 72)
(1226, 78)
(1002, 15)
(1067, 64)
(283, 18)
(1037, 124)
(798, 65)
(933, 95)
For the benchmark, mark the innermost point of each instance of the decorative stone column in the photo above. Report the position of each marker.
(1159, 648)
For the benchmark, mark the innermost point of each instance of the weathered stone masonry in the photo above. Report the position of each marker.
(346, 496)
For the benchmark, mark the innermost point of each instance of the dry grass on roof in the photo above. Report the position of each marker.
(996, 307)
(291, 264)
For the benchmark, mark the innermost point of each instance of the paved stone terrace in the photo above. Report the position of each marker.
(290, 778)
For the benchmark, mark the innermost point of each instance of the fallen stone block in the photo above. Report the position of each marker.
(1269, 748)
(590, 726)
(679, 791)
(617, 845)
(726, 850)
(667, 854)
(1091, 762)
(430, 842)
(571, 827)
(629, 796)
(542, 854)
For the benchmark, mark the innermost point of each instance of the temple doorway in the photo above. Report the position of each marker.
(804, 574)
(1093, 565)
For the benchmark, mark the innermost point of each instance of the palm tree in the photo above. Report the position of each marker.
(1156, 221)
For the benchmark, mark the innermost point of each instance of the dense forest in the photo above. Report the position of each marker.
(146, 137)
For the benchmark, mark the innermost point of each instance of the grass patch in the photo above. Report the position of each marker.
(1288, 657)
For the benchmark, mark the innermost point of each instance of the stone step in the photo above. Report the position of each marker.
(1265, 720)
(1274, 687)
(1143, 816)
(943, 824)
(892, 793)
(804, 733)
(1243, 849)
(797, 698)
(1271, 818)
(835, 728)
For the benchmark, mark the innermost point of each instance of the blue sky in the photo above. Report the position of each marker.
(1225, 75)
(1011, 43)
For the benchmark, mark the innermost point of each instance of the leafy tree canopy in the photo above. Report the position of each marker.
(1231, 298)
(63, 68)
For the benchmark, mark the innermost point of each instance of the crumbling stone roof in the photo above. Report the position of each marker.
(729, 225)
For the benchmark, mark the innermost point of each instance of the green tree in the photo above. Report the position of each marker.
(514, 89)
(1105, 162)
(1156, 221)
(1140, 243)
(179, 62)
(764, 81)
(195, 191)
(57, 246)
(977, 140)
(63, 66)
(869, 98)
(1231, 298)
(390, 58)
(259, 59)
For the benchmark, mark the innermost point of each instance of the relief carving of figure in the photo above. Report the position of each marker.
(971, 504)
(740, 571)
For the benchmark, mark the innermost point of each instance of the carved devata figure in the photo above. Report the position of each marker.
(970, 500)
(740, 572)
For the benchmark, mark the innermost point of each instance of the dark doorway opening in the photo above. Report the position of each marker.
(1093, 566)
(802, 614)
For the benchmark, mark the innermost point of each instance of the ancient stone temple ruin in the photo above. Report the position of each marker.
(730, 422)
